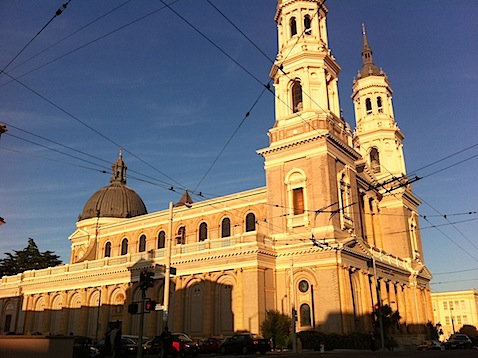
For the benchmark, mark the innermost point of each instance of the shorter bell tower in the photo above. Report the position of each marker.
(377, 136)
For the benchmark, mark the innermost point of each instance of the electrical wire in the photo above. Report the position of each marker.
(57, 13)
(69, 35)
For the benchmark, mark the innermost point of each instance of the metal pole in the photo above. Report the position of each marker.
(452, 323)
(167, 273)
(139, 353)
(292, 299)
(382, 336)
(98, 315)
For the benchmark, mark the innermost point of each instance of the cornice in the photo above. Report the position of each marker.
(331, 138)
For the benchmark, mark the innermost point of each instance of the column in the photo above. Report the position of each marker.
(45, 326)
(28, 309)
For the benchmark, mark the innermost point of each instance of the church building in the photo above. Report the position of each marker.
(333, 233)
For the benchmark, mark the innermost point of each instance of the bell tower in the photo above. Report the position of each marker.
(379, 141)
(305, 74)
(310, 161)
(377, 136)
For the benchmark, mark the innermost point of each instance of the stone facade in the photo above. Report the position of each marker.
(333, 232)
(454, 309)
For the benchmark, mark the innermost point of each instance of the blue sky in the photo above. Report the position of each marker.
(172, 98)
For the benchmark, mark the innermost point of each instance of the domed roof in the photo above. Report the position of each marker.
(115, 200)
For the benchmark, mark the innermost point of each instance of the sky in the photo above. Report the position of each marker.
(172, 87)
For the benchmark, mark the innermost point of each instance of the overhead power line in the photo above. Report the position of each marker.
(57, 13)
(66, 37)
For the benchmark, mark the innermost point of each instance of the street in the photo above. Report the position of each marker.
(344, 353)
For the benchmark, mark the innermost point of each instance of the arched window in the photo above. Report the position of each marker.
(375, 160)
(161, 240)
(307, 25)
(296, 183)
(296, 97)
(368, 105)
(345, 199)
(305, 315)
(142, 243)
(379, 104)
(250, 222)
(124, 246)
(226, 227)
(412, 222)
(293, 27)
(108, 249)
(181, 237)
(203, 231)
(298, 200)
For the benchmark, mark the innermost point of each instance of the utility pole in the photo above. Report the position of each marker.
(292, 301)
(379, 302)
(139, 353)
(145, 281)
(167, 273)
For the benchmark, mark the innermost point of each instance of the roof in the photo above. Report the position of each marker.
(116, 200)
(368, 68)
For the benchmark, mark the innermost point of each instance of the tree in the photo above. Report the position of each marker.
(390, 318)
(277, 326)
(471, 332)
(434, 331)
(30, 258)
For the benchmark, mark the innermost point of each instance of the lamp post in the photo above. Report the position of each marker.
(379, 302)
(292, 300)
(452, 322)
(167, 271)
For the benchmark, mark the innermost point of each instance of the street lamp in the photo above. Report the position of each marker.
(167, 271)
(452, 322)
(379, 302)
(294, 313)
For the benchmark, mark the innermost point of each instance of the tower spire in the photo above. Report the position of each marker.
(368, 67)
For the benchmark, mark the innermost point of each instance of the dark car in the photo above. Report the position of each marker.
(459, 341)
(129, 347)
(182, 345)
(431, 346)
(209, 345)
(245, 343)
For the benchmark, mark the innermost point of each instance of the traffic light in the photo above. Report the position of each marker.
(150, 305)
(133, 308)
(146, 279)
(376, 311)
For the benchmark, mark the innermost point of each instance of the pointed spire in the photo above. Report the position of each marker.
(185, 200)
(368, 67)
(119, 170)
(367, 51)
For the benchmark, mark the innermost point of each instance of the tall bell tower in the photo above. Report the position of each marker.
(305, 73)
(310, 161)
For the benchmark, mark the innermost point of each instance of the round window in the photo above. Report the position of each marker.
(303, 286)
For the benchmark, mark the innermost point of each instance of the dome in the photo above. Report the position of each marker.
(115, 200)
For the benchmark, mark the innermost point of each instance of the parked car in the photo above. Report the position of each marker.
(210, 345)
(431, 346)
(182, 345)
(129, 347)
(245, 343)
(459, 341)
